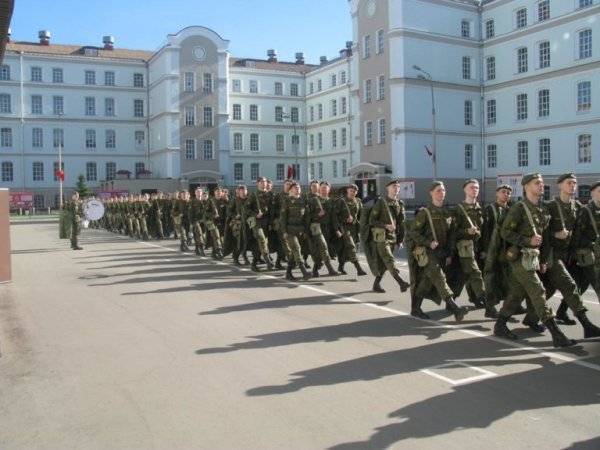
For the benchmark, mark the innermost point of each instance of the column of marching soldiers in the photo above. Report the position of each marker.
(510, 254)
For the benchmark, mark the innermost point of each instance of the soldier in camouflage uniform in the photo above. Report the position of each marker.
(74, 209)
(282, 247)
(157, 213)
(212, 218)
(527, 230)
(320, 209)
(196, 215)
(387, 230)
(178, 210)
(294, 223)
(259, 207)
(142, 208)
(236, 215)
(345, 223)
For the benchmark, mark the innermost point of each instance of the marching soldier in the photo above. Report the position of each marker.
(212, 217)
(282, 247)
(236, 214)
(196, 214)
(157, 207)
(346, 227)
(320, 211)
(178, 210)
(527, 230)
(141, 211)
(259, 214)
(294, 224)
(75, 211)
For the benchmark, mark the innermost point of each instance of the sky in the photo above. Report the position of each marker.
(315, 27)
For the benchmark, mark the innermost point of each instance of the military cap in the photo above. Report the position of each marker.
(504, 186)
(566, 176)
(293, 183)
(324, 183)
(314, 182)
(259, 179)
(392, 182)
(435, 184)
(530, 177)
(469, 181)
(595, 186)
(240, 187)
(353, 186)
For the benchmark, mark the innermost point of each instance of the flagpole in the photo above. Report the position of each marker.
(60, 167)
(424, 75)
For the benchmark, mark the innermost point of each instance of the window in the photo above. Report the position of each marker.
(468, 157)
(138, 108)
(344, 137)
(254, 171)
(295, 115)
(544, 146)
(110, 139)
(57, 75)
(319, 85)
(190, 116)
(55, 169)
(90, 138)
(311, 87)
(344, 168)
(5, 72)
(465, 28)
(189, 84)
(138, 80)
(320, 111)
(466, 68)
(522, 60)
(90, 77)
(254, 143)
(253, 112)
(207, 149)
(343, 77)
(207, 118)
(320, 168)
(491, 112)
(279, 172)
(207, 83)
(320, 141)
(238, 142)
(312, 114)
(295, 142)
(543, 103)
(585, 44)
(333, 138)
(294, 89)
(312, 171)
(333, 108)
(489, 29)
(344, 102)
(584, 96)
(369, 133)
(111, 171)
(279, 143)
(366, 46)
(38, 171)
(490, 65)
(521, 18)
(492, 156)
(333, 80)
(140, 139)
(583, 192)
(468, 112)
(253, 86)
(38, 200)
(109, 107)
(521, 106)
(36, 104)
(238, 171)
(36, 74)
(139, 168)
(381, 131)
(58, 105)
(584, 142)
(90, 106)
(380, 42)
(6, 137)
(109, 78)
(368, 91)
(7, 171)
(312, 142)
(543, 10)
(5, 103)
(278, 114)
(584, 3)
(58, 138)
(91, 171)
(37, 137)
(523, 153)
(237, 112)
(278, 88)
(236, 86)
(381, 88)
(544, 54)
(334, 169)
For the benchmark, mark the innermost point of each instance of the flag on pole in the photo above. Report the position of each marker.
(60, 174)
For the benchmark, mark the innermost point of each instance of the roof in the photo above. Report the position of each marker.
(263, 64)
(77, 50)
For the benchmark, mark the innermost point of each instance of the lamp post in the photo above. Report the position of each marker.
(294, 147)
(424, 75)
(60, 166)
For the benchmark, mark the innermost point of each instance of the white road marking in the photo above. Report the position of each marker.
(483, 373)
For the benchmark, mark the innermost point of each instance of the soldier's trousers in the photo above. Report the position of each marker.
(215, 236)
(473, 276)
(75, 230)
(320, 249)
(284, 249)
(348, 248)
(159, 225)
(385, 252)
(177, 224)
(293, 241)
(559, 278)
(433, 275)
(198, 233)
(590, 276)
(260, 234)
(143, 226)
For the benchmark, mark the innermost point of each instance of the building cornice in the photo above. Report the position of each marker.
(435, 37)
(438, 84)
(552, 126)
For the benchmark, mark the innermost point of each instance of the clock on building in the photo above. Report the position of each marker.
(200, 53)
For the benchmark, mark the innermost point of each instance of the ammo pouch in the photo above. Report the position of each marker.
(210, 226)
(236, 226)
(315, 229)
(466, 248)
(251, 222)
(530, 259)
(378, 235)
(420, 254)
(512, 253)
(585, 257)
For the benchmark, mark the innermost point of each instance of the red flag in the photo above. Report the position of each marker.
(290, 172)
(60, 174)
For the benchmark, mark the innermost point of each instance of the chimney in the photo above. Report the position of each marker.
(323, 60)
(299, 58)
(8, 35)
(44, 36)
(349, 48)
(272, 55)
(343, 53)
(109, 42)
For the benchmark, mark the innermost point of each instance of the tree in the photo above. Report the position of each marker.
(81, 187)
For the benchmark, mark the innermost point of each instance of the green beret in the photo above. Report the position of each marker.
(566, 176)
(469, 181)
(504, 186)
(530, 177)
(435, 184)
(595, 186)
(353, 186)
(293, 183)
(392, 182)
(259, 179)
(314, 182)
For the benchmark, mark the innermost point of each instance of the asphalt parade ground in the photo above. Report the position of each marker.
(134, 345)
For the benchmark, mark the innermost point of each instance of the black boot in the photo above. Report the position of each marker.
(246, 260)
(562, 314)
(305, 274)
(288, 272)
(331, 270)
(558, 338)
(315, 272)
(589, 329)
(183, 247)
(459, 312)
(341, 268)
(490, 311)
(501, 330)
(415, 308)
(269, 262)
(197, 250)
(479, 303)
(254, 265)
(376, 286)
(278, 265)
(359, 270)
(533, 325)
(403, 284)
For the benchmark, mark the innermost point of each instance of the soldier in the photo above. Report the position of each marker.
(259, 206)
(346, 227)
(468, 219)
(236, 215)
(157, 207)
(320, 208)
(75, 211)
(527, 230)
(432, 234)
(177, 212)
(196, 215)
(586, 242)
(386, 221)
(282, 248)
(212, 217)
(294, 223)
(141, 211)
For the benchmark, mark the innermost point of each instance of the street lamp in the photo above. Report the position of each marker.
(295, 142)
(60, 166)
(424, 75)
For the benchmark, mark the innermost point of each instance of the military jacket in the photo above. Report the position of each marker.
(380, 217)
(518, 231)
(294, 216)
(442, 220)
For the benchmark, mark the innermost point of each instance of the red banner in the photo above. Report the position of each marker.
(20, 199)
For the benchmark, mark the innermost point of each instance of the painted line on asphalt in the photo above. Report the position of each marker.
(483, 373)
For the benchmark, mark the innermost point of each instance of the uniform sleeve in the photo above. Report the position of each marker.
(400, 223)
(375, 217)
(487, 228)
(283, 217)
(510, 226)
(419, 229)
